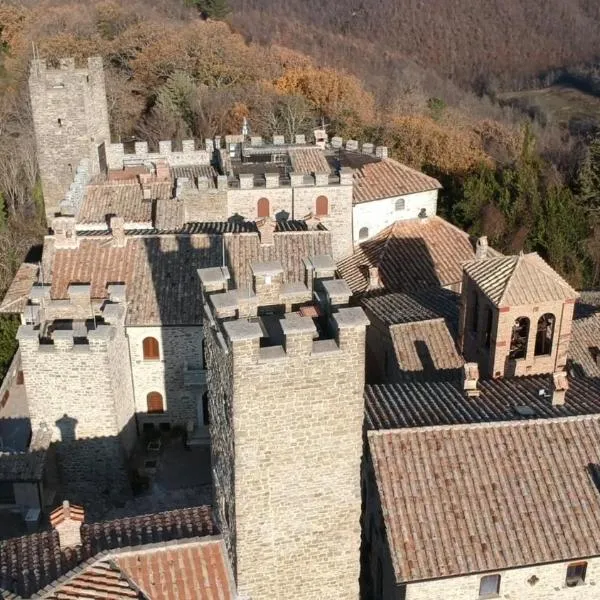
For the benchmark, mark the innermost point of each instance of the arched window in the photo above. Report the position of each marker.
(262, 208)
(322, 206)
(519, 338)
(155, 403)
(400, 205)
(544, 334)
(151, 348)
(363, 233)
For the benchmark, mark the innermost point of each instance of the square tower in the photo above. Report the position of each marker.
(516, 315)
(70, 119)
(286, 404)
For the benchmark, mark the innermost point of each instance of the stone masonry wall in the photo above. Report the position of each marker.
(204, 206)
(71, 390)
(297, 427)
(549, 583)
(219, 366)
(165, 375)
(70, 118)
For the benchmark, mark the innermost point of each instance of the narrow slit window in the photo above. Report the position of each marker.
(59, 121)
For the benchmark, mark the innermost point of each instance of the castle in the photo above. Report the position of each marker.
(393, 409)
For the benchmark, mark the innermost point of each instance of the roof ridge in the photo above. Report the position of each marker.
(484, 425)
(510, 276)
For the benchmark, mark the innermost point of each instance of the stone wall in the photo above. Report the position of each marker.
(117, 158)
(543, 582)
(178, 346)
(296, 461)
(81, 392)
(70, 118)
(204, 206)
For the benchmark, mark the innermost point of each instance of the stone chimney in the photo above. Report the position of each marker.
(146, 183)
(162, 170)
(266, 230)
(67, 520)
(560, 385)
(117, 230)
(374, 279)
(470, 379)
(481, 248)
(65, 236)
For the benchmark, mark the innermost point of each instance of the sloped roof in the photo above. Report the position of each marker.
(32, 562)
(584, 347)
(160, 271)
(425, 349)
(518, 280)
(412, 254)
(308, 160)
(388, 178)
(17, 294)
(432, 403)
(187, 570)
(452, 506)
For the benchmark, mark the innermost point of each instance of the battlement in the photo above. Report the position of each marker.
(40, 67)
(118, 158)
(88, 333)
(277, 320)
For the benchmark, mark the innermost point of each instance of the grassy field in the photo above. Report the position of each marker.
(559, 103)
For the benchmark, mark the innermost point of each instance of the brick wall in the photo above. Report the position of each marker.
(295, 464)
(165, 375)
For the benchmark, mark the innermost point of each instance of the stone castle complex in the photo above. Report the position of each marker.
(382, 407)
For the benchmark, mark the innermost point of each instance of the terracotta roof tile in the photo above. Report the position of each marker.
(425, 403)
(425, 348)
(160, 271)
(584, 347)
(411, 255)
(123, 199)
(518, 280)
(470, 499)
(32, 562)
(389, 178)
(17, 294)
(308, 160)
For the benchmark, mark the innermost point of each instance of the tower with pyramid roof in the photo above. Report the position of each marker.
(516, 315)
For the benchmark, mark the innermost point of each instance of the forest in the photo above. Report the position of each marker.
(423, 81)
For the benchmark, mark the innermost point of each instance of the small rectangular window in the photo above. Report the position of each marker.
(576, 574)
(489, 586)
(60, 122)
(400, 204)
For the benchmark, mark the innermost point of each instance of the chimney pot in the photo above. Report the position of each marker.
(374, 279)
(117, 229)
(560, 385)
(481, 249)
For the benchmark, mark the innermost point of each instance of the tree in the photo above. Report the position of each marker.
(212, 9)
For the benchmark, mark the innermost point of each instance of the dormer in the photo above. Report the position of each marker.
(516, 315)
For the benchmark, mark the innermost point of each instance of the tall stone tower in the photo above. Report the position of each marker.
(70, 118)
(286, 405)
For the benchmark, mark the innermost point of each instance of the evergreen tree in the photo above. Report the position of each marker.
(588, 178)
(212, 9)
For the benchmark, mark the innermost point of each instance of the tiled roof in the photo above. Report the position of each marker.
(160, 271)
(470, 499)
(389, 178)
(187, 570)
(421, 404)
(425, 349)
(194, 571)
(123, 199)
(102, 579)
(584, 347)
(16, 297)
(192, 172)
(27, 466)
(308, 160)
(587, 304)
(32, 562)
(396, 307)
(518, 280)
(411, 255)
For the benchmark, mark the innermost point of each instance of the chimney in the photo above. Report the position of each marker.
(266, 229)
(312, 222)
(65, 235)
(374, 279)
(162, 170)
(146, 183)
(67, 520)
(481, 247)
(117, 229)
(470, 377)
(560, 385)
